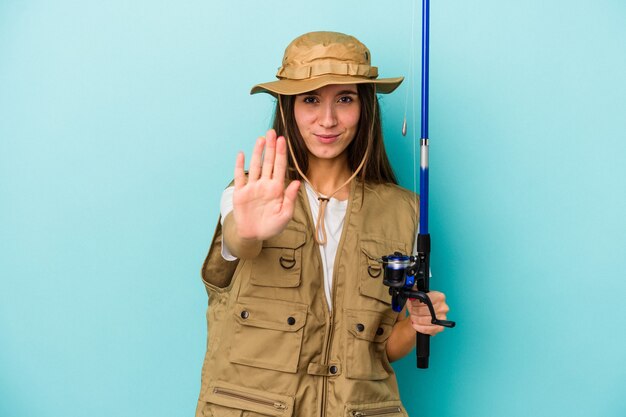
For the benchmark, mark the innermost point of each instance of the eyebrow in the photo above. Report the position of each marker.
(342, 92)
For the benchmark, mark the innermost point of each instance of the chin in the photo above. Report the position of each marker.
(325, 156)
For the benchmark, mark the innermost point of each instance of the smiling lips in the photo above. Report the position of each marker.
(327, 138)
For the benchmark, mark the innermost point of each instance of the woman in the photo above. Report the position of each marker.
(299, 320)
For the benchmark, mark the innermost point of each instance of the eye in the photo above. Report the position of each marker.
(309, 99)
(346, 99)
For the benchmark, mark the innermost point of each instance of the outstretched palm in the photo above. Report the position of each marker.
(262, 206)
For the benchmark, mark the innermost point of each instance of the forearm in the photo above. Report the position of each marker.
(402, 339)
(239, 247)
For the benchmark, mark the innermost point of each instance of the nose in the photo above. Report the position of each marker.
(327, 117)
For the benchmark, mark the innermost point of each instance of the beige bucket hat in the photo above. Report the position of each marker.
(317, 59)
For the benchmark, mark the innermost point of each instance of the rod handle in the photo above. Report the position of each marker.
(422, 349)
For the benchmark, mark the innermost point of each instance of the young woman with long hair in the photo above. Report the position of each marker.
(299, 320)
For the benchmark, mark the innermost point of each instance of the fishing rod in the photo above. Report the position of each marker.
(402, 273)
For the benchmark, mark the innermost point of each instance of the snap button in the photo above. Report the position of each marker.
(380, 331)
(360, 327)
(245, 314)
(333, 369)
(291, 321)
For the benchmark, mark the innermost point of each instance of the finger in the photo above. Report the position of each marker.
(429, 330)
(436, 296)
(423, 311)
(439, 302)
(270, 152)
(255, 160)
(438, 306)
(422, 320)
(417, 307)
(240, 176)
(280, 164)
(415, 303)
(442, 309)
(423, 324)
(289, 201)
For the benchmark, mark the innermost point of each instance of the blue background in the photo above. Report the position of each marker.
(119, 126)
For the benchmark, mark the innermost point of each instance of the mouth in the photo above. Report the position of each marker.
(328, 138)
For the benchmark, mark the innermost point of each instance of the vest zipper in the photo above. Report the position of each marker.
(331, 318)
(327, 350)
(242, 396)
(376, 412)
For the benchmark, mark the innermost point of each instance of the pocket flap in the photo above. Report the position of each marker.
(234, 396)
(271, 314)
(289, 238)
(375, 248)
(369, 325)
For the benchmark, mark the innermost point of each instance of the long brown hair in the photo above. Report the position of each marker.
(377, 168)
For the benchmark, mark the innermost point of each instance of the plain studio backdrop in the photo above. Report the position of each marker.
(119, 126)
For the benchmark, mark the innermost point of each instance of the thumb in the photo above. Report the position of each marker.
(289, 200)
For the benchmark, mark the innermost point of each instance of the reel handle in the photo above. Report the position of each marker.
(399, 296)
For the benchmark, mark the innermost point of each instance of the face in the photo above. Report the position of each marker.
(328, 119)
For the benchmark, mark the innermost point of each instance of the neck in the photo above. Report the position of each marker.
(327, 175)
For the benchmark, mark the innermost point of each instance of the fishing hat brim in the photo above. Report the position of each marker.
(293, 87)
(317, 59)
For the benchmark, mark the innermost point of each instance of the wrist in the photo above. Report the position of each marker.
(240, 246)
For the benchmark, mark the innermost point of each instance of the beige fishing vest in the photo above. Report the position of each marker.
(275, 349)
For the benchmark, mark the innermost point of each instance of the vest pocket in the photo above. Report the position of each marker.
(280, 262)
(228, 400)
(380, 409)
(371, 271)
(366, 336)
(268, 333)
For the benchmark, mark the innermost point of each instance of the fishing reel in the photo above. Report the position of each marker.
(402, 273)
